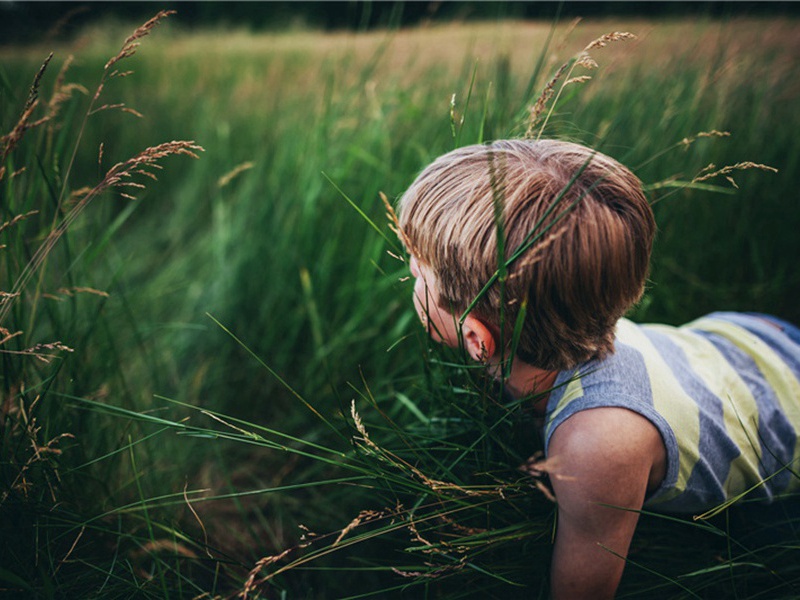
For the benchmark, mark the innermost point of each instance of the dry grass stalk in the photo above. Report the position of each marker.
(5, 297)
(688, 141)
(76, 195)
(579, 79)
(434, 484)
(394, 225)
(168, 545)
(537, 109)
(581, 60)
(249, 434)
(33, 94)
(119, 176)
(25, 424)
(713, 133)
(443, 486)
(416, 536)
(128, 49)
(463, 529)
(538, 467)
(143, 557)
(440, 548)
(233, 173)
(37, 351)
(7, 335)
(63, 91)
(251, 583)
(438, 572)
(71, 550)
(10, 141)
(361, 429)
(709, 172)
(17, 219)
(129, 46)
(62, 294)
(364, 516)
(604, 40)
(586, 61)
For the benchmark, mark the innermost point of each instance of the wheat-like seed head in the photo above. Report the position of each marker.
(709, 172)
(586, 61)
(33, 93)
(394, 225)
(38, 351)
(118, 176)
(9, 141)
(713, 133)
(538, 108)
(581, 60)
(63, 91)
(5, 333)
(688, 141)
(251, 583)
(363, 517)
(17, 219)
(129, 46)
(579, 79)
(604, 40)
(360, 427)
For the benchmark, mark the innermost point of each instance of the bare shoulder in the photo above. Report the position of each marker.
(601, 448)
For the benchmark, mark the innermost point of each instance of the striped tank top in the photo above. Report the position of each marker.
(723, 391)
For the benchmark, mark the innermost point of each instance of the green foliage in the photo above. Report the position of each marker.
(251, 398)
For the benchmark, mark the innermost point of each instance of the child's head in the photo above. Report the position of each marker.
(585, 271)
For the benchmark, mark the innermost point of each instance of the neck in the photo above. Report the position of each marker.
(527, 380)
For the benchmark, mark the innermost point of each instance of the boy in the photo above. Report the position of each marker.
(674, 419)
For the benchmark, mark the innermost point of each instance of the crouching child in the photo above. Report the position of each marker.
(675, 419)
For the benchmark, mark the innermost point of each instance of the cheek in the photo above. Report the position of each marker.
(439, 324)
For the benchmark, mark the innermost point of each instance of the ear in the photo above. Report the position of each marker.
(478, 339)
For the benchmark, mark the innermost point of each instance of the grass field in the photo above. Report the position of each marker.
(247, 403)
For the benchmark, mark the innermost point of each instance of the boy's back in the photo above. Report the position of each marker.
(723, 392)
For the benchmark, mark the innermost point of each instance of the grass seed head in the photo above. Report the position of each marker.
(130, 45)
(541, 103)
(579, 79)
(604, 40)
(586, 61)
(33, 94)
(710, 171)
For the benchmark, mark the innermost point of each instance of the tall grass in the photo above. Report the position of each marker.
(254, 408)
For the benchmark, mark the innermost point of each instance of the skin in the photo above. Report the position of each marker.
(602, 462)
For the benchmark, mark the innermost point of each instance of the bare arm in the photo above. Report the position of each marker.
(601, 458)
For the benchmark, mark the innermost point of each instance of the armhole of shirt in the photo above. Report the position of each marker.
(648, 412)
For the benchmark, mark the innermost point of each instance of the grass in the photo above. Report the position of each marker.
(243, 302)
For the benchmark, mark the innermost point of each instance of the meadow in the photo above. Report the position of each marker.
(213, 381)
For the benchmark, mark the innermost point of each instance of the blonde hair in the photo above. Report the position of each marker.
(593, 231)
